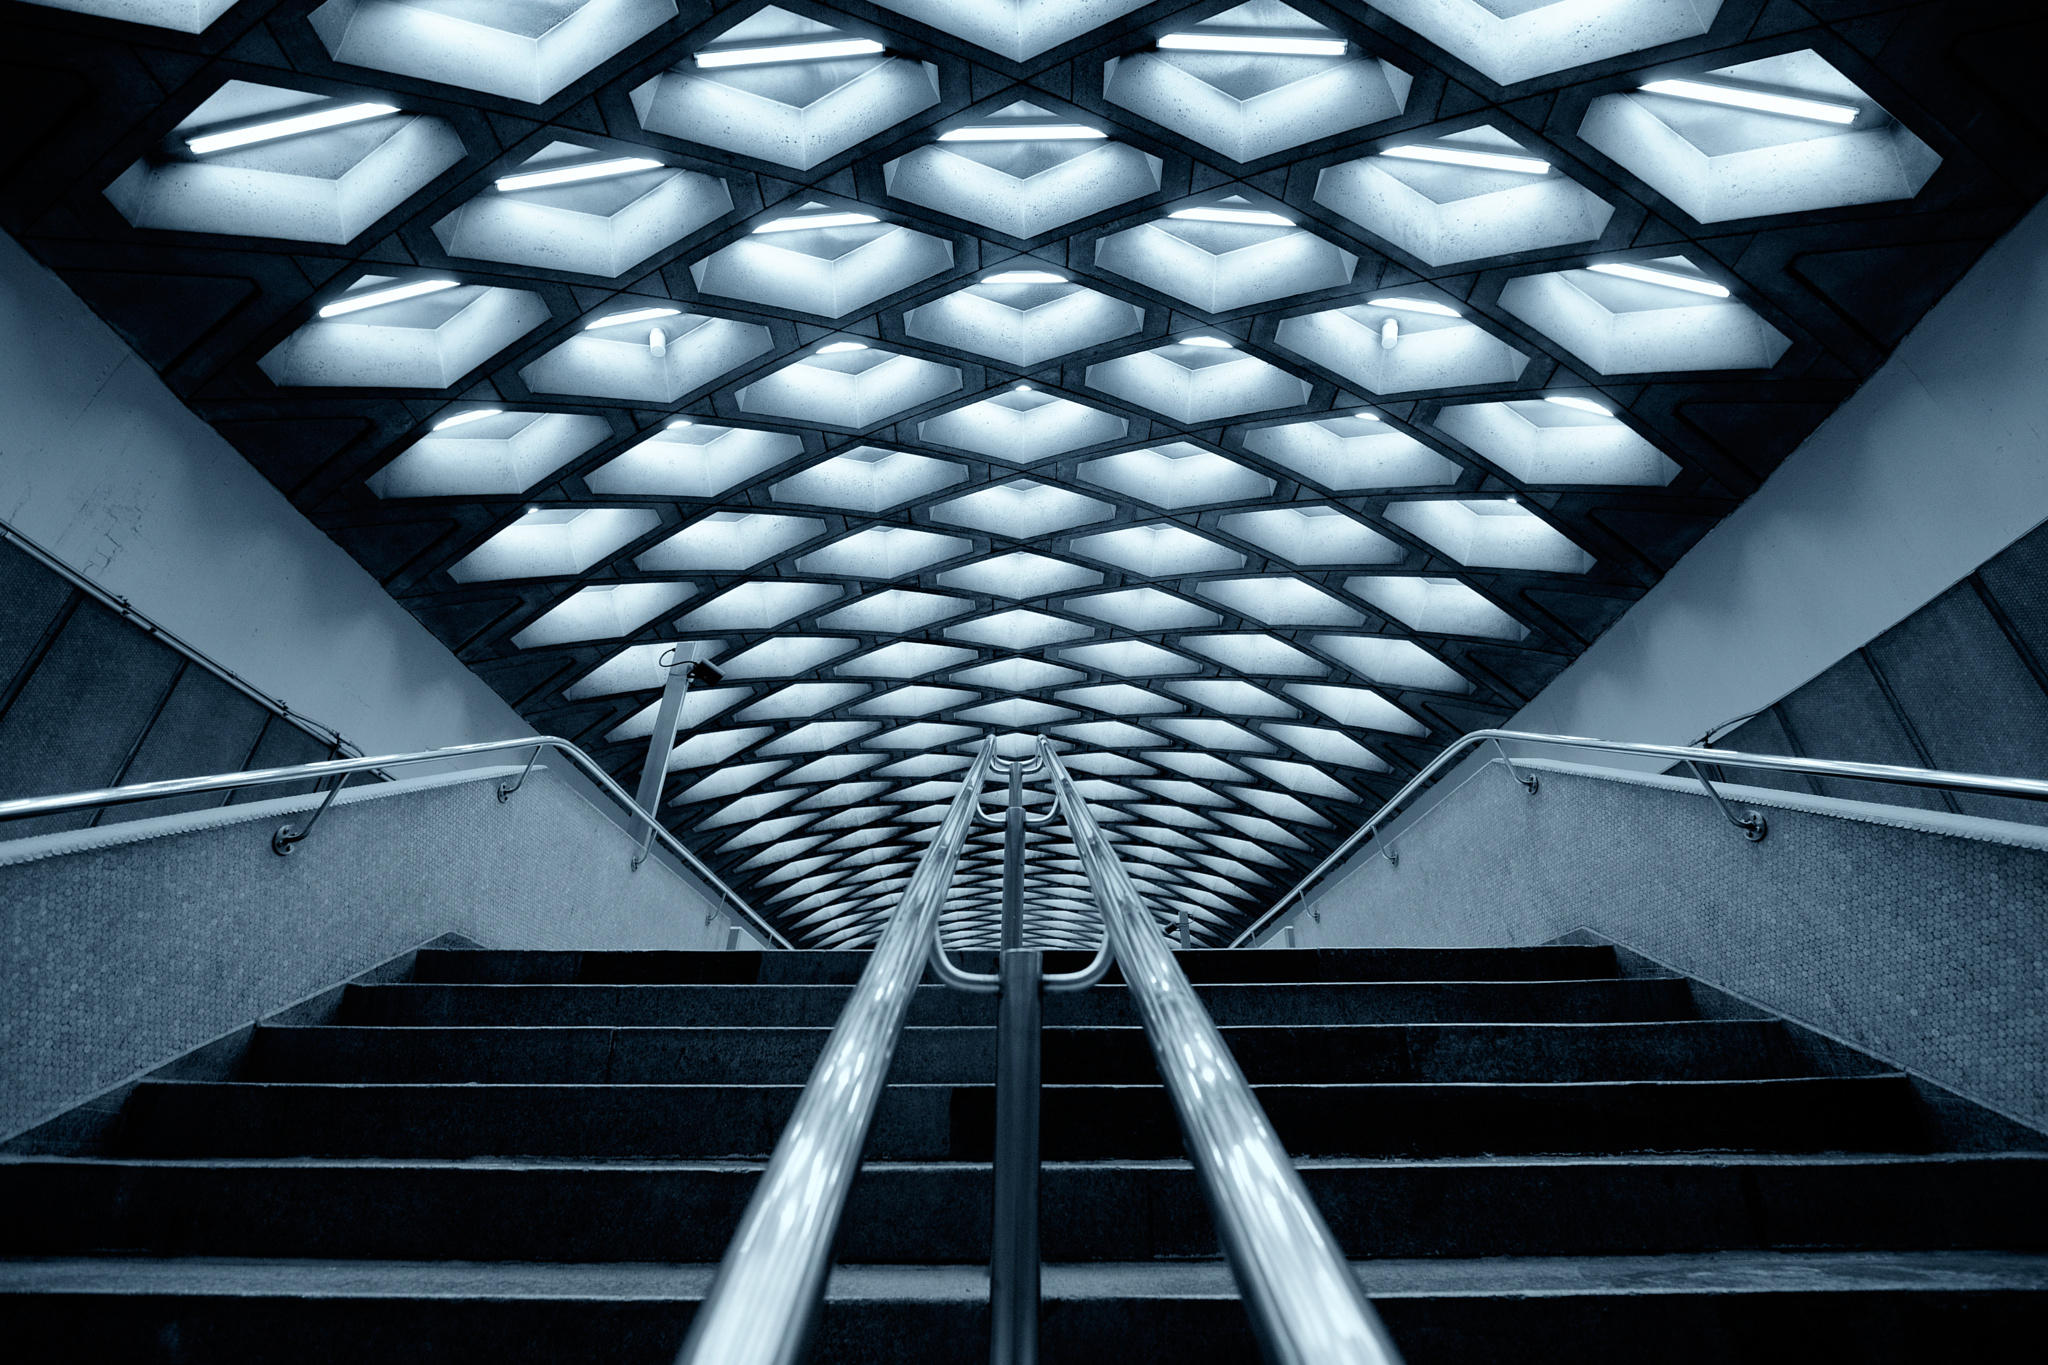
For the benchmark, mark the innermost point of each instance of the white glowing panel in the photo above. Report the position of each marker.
(1313, 535)
(1019, 574)
(1547, 443)
(868, 479)
(1392, 350)
(186, 16)
(1626, 326)
(1437, 606)
(1222, 266)
(1196, 385)
(526, 51)
(1023, 509)
(694, 460)
(1158, 550)
(326, 184)
(429, 341)
(1017, 29)
(882, 552)
(1491, 533)
(829, 271)
(1025, 323)
(508, 452)
(1515, 40)
(1350, 453)
(605, 611)
(657, 360)
(729, 541)
(1719, 163)
(555, 543)
(1023, 187)
(1177, 474)
(1023, 427)
(853, 390)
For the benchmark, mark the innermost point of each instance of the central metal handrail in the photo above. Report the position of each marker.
(288, 836)
(1304, 1301)
(1751, 823)
(763, 1305)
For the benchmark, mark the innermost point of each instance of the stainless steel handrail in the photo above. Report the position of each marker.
(764, 1303)
(341, 769)
(1305, 1304)
(2025, 788)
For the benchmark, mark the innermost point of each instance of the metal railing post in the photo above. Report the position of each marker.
(1013, 863)
(1013, 1260)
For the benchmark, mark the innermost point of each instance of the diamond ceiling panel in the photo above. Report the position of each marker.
(1249, 397)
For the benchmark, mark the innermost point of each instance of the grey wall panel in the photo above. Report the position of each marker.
(30, 598)
(1844, 713)
(205, 726)
(1765, 734)
(281, 746)
(1969, 696)
(2017, 582)
(82, 712)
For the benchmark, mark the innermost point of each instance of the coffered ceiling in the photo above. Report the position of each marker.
(1250, 397)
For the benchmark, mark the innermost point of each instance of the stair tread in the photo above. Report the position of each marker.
(1722, 1272)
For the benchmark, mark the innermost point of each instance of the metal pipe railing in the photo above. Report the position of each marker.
(1305, 1304)
(764, 1304)
(287, 837)
(1751, 823)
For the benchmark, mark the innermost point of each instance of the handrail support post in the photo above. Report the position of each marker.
(1013, 863)
(1751, 822)
(1528, 780)
(286, 838)
(1014, 1255)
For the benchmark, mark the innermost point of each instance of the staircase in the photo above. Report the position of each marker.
(1536, 1154)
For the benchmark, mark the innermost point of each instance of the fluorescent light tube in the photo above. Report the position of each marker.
(1212, 343)
(1577, 404)
(1461, 156)
(1023, 277)
(1691, 284)
(208, 143)
(790, 52)
(841, 347)
(463, 419)
(1438, 310)
(1251, 42)
(636, 315)
(816, 220)
(680, 422)
(1024, 132)
(376, 298)
(1734, 97)
(1255, 217)
(569, 175)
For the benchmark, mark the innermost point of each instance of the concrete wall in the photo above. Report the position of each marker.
(1937, 463)
(1919, 935)
(124, 946)
(102, 466)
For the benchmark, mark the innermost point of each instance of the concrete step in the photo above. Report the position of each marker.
(484, 966)
(1312, 1003)
(1870, 1307)
(938, 1212)
(1696, 1049)
(938, 1122)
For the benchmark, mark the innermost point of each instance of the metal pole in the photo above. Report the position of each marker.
(1181, 938)
(1013, 863)
(1013, 1260)
(667, 716)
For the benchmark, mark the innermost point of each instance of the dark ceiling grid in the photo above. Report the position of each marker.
(1842, 285)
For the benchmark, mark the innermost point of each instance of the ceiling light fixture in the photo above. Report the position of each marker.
(1252, 43)
(463, 419)
(680, 422)
(208, 143)
(569, 175)
(636, 315)
(790, 52)
(1577, 404)
(1255, 217)
(1024, 132)
(1691, 284)
(841, 347)
(1435, 310)
(1461, 156)
(1212, 343)
(1758, 101)
(377, 298)
(802, 221)
(1023, 277)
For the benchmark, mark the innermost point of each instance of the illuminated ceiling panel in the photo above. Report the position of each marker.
(1251, 398)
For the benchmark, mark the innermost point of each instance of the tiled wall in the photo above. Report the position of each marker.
(89, 699)
(1961, 684)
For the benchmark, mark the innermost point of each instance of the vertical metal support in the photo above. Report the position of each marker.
(1013, 1262)
(667, 716)
(1528, 780)
(1181, 935)
(1013, 863)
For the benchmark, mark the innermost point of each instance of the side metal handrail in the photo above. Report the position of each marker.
(1304, 1301)
(288, 836)
(764, 1303)
(1751, 823)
